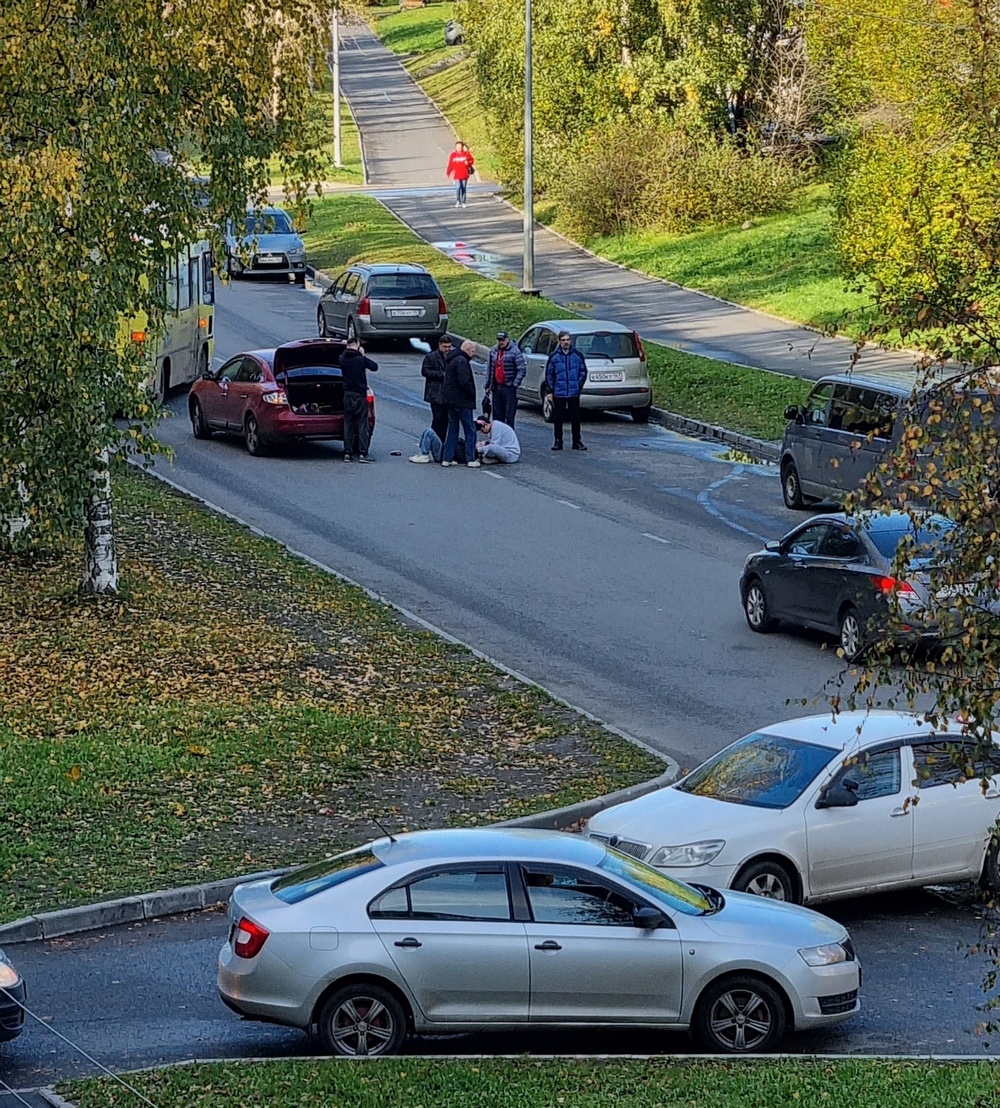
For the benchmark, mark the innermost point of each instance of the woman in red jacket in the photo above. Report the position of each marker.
(461, 166)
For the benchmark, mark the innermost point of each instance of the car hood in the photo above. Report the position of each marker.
(276, 244)
(782, 923)
(671, 817)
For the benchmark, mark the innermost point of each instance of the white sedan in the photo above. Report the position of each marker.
(823, 807)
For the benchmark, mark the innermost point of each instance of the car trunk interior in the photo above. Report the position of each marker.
(314, 391)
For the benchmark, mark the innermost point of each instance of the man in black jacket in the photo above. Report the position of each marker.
(459, 394)
(432, 371)
(354, 366)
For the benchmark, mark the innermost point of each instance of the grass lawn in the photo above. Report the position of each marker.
(524, 1083)
(321, 125)
(235, 709)
(351, 227)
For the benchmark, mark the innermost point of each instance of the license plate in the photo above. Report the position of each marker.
(605, 376)
(269, 259)
(405, 313)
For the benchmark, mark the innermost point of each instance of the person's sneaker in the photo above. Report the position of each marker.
(458, 203)
(579, 446)
(363, 458)
(472, 465)
(348, 458)
(557, 446)
(420, 457)
(490, 461)
(449, 463)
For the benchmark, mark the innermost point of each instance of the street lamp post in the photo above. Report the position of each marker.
(528, 268)
(335, 67)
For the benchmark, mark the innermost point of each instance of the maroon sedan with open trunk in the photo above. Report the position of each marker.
(295, 391)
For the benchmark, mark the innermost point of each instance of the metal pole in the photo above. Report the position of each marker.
(337, 153)
(528, 282)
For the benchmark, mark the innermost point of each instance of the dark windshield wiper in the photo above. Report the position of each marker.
(598, 354)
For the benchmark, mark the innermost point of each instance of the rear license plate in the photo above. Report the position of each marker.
(605, 376)
(405, 313)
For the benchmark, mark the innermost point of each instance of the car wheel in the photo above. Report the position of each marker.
(361, 1019)
(321, 326)
(252, 436)
(233, 268)
(990, 878)
(300, 279)
(641, 415)
(791, 488)
(548, 406)
(352, 333)
(756, 609)
(199, 428)
(740, 1015)
(852, 634)
(768, 879)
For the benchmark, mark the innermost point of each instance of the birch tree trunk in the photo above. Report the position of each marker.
(100, 560)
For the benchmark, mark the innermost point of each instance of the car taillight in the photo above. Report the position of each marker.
(250, 937)
(278, 397)
(371, 398)
(442, 306)
(641, 348)
(364, 306)
(892, 586)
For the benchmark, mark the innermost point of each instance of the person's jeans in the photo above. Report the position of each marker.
(430, 443)
(492, 451)
(439, 420)
(465, 417)
(505, 403)
(460, 190)
(562, 405)
(357, 436)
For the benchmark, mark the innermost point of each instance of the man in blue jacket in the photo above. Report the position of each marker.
(505, 370)
(565, 374)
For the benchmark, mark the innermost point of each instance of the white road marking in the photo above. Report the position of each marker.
(570, 504)
(496, 476)
(656, 538)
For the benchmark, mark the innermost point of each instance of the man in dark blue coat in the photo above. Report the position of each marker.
(565, 375)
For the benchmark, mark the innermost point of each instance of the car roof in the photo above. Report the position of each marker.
(267, 210)
(877, 521)
(861, 727)
(583, 326)
(498, 843)
(385, 267)
(900, 381)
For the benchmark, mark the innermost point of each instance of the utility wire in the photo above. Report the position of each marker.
(13, 1092)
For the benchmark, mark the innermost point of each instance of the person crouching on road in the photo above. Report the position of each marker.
(461, 166)
(505, 370)
(565, 375)
(432, 371)
(459, 394)
(501, 443)
(354, 366)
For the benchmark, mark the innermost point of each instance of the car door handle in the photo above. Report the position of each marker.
(899, 812)
(550, 944)
(410, 944)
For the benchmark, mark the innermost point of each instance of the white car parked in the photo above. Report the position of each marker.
(823, 807)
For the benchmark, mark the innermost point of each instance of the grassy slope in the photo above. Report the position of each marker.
(526, 1083)
(321, 113)
(350, 227)
(236, 709)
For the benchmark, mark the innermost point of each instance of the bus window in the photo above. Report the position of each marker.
(193, 274)
(171, 285)
(183, 285)
(207, 278)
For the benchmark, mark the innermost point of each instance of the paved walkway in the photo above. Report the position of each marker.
(406, 142)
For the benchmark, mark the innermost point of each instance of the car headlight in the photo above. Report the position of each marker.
(9, 976)
(828, 955)
(689, 854)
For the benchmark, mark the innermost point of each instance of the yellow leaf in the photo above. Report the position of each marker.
(74, 774)
(201, 751)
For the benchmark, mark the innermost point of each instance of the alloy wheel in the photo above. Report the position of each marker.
(362, 1025)
(851, 636)
(741, 1019)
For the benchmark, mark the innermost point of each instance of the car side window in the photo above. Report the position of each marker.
(950, 762)
(564, 896)
(249, 373)
(842, 544)
(527, 344)
(816, 406)
(231, 369)
(546, 342)
(476, 893)
(338, 288)
(809, 540)
(354, 285)
(877, 774)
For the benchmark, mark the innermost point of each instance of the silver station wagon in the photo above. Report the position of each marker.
(383, 302)
(496, 928)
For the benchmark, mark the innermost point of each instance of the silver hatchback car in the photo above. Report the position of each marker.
(383, 302)
(496, 928)
(617, 373)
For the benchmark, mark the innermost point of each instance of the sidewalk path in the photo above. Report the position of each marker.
(406, 143)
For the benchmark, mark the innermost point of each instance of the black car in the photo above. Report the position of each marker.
(835, 574)
(13, 996)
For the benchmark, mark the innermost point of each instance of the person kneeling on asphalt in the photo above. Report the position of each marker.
(501, 443)
(353, 367)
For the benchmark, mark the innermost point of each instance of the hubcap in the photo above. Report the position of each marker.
(850, 636)
(252, 434)
(741, 1019)
(362, 1025)
(755, 605)
(768, 885)
(791, 485)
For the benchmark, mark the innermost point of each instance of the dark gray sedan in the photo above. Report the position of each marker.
(835, 574)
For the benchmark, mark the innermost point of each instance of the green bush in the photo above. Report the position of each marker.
(657, 176)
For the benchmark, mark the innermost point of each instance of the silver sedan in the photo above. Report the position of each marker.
(462, 930)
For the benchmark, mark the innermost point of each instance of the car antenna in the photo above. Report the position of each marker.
(389, 835)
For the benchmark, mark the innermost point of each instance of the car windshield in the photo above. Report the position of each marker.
(607, 344)
(928, 538)
(762, 770)
(403, 286)
(302, 883)
(276, 223)
(668, 891)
